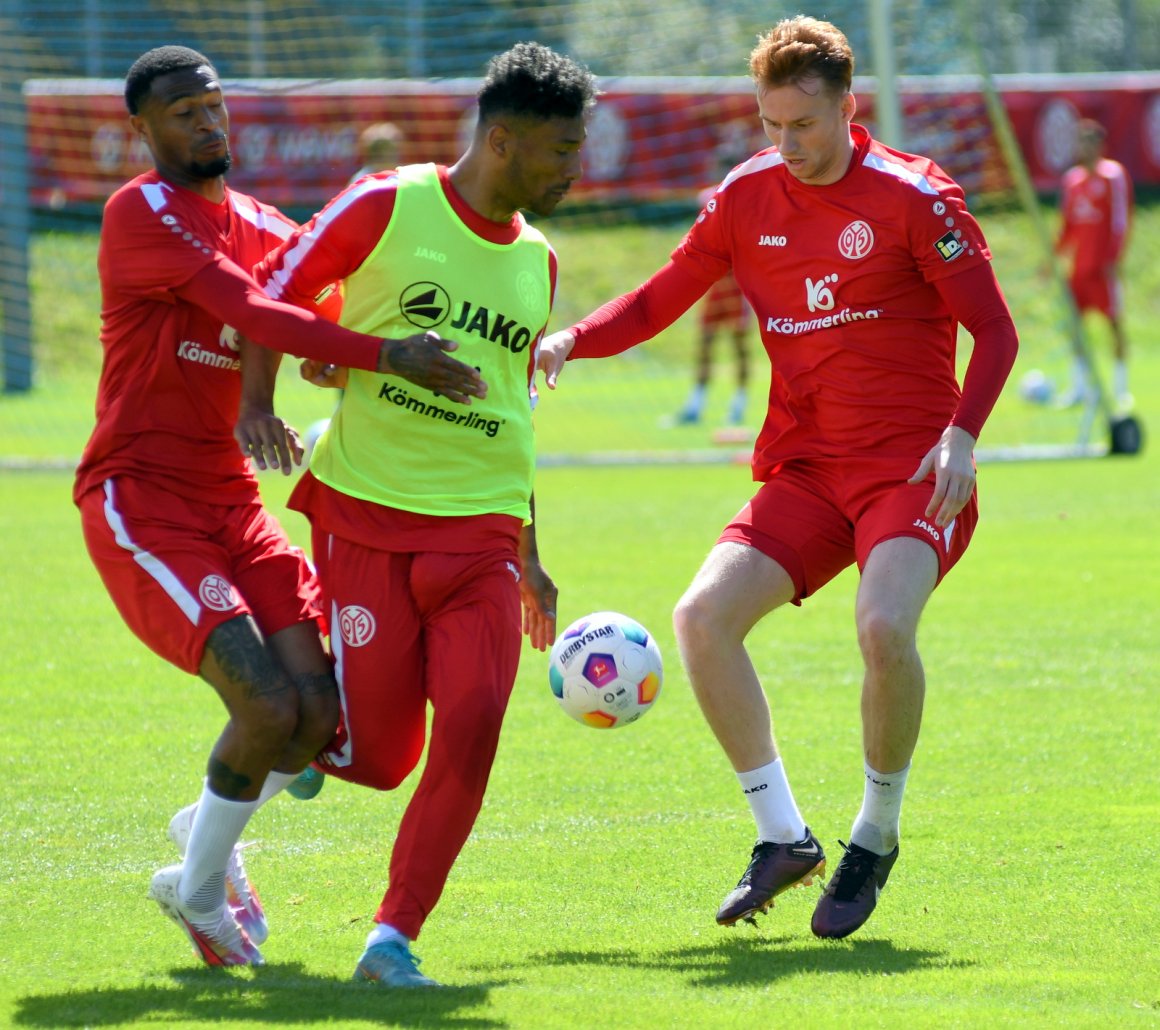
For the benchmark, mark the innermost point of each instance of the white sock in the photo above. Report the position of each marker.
(876, 825)
(217, 825)
(771, 801)
(276, 782)
(385, 932)
(1120, 378)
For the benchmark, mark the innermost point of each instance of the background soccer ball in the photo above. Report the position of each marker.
(1036, 388)
(605, 670)
(313, 432)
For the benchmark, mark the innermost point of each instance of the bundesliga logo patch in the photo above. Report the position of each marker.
(948, 247)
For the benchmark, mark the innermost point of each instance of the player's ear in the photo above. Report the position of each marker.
(500, 140)
(849, 107)
(137, 123)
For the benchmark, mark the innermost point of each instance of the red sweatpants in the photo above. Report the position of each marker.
(408, 629)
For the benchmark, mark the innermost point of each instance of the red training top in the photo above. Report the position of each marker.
(175, 286)
(1097, 209)
(858, 288)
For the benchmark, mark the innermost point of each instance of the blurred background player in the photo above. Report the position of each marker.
(170, 510)
(723, 309)
(422, 518)
(1096, 202)
(866, 453)
(380, 148)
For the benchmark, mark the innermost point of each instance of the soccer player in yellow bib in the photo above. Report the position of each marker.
(420, 507)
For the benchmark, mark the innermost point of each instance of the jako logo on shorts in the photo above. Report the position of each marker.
(356, 624)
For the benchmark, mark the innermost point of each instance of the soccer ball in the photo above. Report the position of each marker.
(1036, 388)
(605, 670)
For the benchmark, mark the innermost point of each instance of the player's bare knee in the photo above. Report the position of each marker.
(269, 721)
(695, 621)
(884, 636)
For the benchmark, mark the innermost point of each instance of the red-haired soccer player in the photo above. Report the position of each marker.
(860, 261)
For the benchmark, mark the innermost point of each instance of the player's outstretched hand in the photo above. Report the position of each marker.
(267, 440)
(952, 462)
(323, 374)
(425, 360)
(538, 594)
(554, 351)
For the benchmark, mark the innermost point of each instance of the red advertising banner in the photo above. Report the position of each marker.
(295, 144)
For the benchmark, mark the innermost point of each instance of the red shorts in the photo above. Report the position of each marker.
(176, 569)
(725, 306)
(816, 518)
(1097, 290)
(408, 628)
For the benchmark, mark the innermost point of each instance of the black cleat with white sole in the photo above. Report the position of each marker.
(773, 868)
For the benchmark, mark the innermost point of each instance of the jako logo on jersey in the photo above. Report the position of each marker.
(771, 241)
(430, 255)
(819, 296)
(356, 624)
(217, 593)
(856, 240)
(424, 304)
(191, 350)
(949, 247)
(497, 328)
(427, 305)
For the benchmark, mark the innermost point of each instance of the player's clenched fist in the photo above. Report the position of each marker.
(424, 359)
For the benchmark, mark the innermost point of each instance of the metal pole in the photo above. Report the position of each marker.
(1130, 31)
(416, 22)
(257, 48)
(15, 217)
(94, 39)
(887, 107)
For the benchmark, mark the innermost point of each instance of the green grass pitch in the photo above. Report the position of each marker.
(1027, 889)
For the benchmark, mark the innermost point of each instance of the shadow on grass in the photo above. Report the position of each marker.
(736, 961)
(281, 995)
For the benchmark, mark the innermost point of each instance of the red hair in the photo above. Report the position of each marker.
(802, 48)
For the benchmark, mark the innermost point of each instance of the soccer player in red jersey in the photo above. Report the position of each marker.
(421, 517)
(859, 261)
(724, 309)
(1096, 202)
(170, 507)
